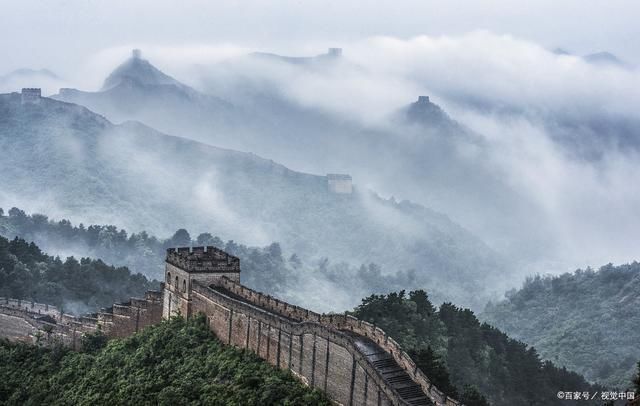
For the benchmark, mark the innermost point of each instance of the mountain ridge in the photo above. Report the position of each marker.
(437, 161)
(584, 320)
(139, 71)
(131, 175)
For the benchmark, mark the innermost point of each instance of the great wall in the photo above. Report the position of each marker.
(354, 362)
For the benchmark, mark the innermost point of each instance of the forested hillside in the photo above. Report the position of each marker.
(177, 362)
(266, 269)
(77, 286)
(467, 359)
(587, 320)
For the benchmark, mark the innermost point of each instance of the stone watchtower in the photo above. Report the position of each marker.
(339, 183)
(335, 52)
(183, 266)
(31, 95)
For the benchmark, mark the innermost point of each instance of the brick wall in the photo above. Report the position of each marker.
(324, 351)
(121, 320)
(131, 317)
(321, 356)
(340, 323)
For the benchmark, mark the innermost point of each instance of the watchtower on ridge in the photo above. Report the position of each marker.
(31, 95)
(185, 265)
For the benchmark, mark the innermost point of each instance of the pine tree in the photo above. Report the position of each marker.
(472, 397)
(431, 364)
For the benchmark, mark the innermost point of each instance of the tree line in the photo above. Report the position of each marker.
(586, 320)
(177, 362)
(77, 286)
(469, 360)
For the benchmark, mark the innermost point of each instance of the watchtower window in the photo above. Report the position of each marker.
(184, 285)
(169, 277)
(176, 284)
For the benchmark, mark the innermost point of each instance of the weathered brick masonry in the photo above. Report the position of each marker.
(354, 362)
(49, 324)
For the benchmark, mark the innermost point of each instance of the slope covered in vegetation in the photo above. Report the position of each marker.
(587, 320)
(175, 362)
(267, 268)
(466, 358)
(77, 286)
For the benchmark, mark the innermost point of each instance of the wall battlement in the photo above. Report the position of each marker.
(354, 362)
(339, 183)
(31, 95)
(202, 259)
(50, 324)
(334, 52)
(342, 323)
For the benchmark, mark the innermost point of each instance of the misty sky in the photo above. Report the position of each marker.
(489, 53)
(61, 34)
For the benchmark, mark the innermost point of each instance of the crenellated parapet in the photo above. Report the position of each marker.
(51, 324)
(353, 361)
(344, 365)
(44, 324)
(31, 95)
(342, 324)
(202, 259)
(127, 318)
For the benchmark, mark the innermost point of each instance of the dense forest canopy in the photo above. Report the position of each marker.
(587, 320)
(77, 286)
(467, 358)
(175, 362)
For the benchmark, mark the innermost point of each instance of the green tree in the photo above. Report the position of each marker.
(472, 397)
(462, 356)
(205, 239)
(181, 238)
(434, 368)
(27, 273)
(93, 342)
(175, 362)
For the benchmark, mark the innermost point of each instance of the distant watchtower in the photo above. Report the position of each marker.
(31, 95)
(185, 265)
(423, 100)
(339, 183)
(335, 52)
(136, 54)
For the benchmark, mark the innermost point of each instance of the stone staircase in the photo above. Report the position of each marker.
(397, 377)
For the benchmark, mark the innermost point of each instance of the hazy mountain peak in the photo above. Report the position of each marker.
(561, 51)
(33, 72)
(596, 58)
(136, 70)
(425, 111)
(604, 58)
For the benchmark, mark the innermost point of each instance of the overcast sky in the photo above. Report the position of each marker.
(59, 34)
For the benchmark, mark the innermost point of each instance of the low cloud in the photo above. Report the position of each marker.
(514, 93)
